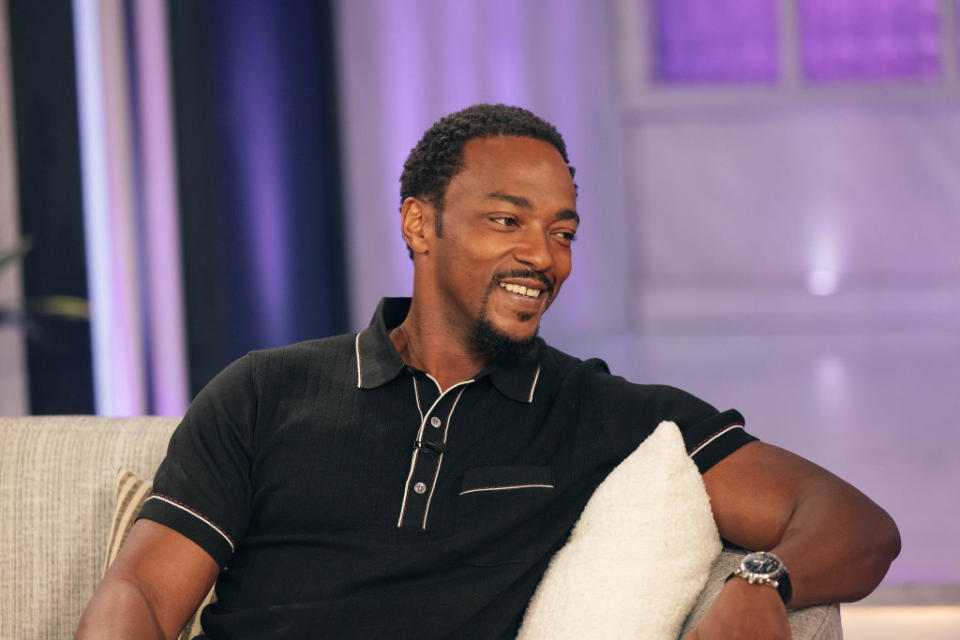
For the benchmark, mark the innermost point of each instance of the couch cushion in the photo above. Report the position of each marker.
(57, 488)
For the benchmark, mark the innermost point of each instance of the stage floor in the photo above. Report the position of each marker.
(897, 623)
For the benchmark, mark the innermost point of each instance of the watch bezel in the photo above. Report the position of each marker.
(779, 579)
(760, 556)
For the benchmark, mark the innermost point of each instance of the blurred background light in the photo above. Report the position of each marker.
(822, 282)
(107, 164)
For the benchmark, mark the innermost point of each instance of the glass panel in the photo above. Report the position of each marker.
(714, 41)
(869, 39)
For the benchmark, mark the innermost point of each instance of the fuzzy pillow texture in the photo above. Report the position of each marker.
(639, 555)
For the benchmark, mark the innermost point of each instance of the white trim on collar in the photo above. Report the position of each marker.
(359, 377)
(533, 386)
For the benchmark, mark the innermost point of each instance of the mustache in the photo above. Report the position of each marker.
(529, 274)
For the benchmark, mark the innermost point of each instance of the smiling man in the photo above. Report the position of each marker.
(490, 253)
(415, 479)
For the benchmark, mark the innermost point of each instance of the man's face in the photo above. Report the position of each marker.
(508, 220)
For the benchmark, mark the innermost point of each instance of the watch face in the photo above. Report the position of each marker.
(762, 562)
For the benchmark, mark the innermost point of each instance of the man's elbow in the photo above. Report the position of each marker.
(883, 544)
(890, 539)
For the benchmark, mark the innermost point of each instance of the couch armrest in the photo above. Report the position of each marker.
(821, 622)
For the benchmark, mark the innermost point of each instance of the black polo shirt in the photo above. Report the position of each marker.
(345, 496)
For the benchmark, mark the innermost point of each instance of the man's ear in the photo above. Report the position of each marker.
(416, 224)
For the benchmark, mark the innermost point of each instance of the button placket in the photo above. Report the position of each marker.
(427, 459)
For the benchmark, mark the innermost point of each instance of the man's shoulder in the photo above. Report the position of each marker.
(566, 365)
(305, 347)
(330, 354)
(596, 373)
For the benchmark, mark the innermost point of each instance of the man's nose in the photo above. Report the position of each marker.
(534, 250)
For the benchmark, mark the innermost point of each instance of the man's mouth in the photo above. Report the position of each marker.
(522, 290)
(525, 282)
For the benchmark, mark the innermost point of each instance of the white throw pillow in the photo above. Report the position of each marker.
(639, 555)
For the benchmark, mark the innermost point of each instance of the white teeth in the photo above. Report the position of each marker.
(522, 290)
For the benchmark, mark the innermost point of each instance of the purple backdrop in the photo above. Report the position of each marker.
(797, 263)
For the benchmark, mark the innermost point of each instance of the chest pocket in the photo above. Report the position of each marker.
(500, 512)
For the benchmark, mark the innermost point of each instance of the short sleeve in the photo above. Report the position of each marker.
(202, 488)
(713, 439)
(629, 412)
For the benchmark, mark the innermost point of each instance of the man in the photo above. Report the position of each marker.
(415, 479)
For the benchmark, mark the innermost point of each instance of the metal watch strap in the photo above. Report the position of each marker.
(781, 584)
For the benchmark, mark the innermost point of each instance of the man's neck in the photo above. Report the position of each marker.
(433, 348)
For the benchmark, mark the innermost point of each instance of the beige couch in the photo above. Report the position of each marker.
(57, 488)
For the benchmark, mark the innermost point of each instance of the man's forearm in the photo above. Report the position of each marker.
(119, 610)
(836, 543)
(837, 546)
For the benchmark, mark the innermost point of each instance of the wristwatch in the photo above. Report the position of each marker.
(762, 567)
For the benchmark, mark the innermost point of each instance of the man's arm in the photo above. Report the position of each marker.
(836, 543)
(156, 582)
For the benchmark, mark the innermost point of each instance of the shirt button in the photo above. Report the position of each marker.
(419, 488)
(434, 421)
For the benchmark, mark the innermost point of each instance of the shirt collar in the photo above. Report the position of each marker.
(378, 361)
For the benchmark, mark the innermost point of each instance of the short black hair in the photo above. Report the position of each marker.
(438, 157)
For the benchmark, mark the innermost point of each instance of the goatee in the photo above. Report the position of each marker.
(495, 342)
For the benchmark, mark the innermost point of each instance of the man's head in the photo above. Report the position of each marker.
(439, 154)
(505, 190)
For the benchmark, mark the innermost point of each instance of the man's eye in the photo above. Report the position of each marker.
(567, 235)
(505, 221)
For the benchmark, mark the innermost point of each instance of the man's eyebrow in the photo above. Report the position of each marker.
(517, 201)
(520, 201)
(567, 214)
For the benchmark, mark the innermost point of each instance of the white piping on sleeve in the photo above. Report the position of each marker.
(195, 515)
(714, 437)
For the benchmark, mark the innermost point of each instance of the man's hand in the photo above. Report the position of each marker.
(744, 611)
